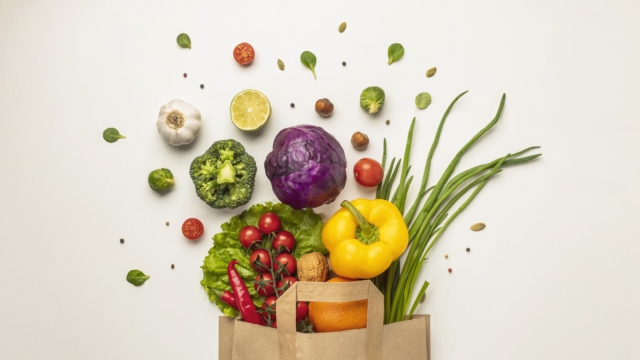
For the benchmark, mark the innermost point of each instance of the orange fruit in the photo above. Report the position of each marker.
(338, 316)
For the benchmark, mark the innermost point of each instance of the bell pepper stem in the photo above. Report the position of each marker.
(365, 227)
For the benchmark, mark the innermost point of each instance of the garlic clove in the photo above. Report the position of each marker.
(172, 138)
(177, 104)
(193, 127)
(186, 135)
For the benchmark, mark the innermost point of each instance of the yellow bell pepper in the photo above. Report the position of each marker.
(364, 237)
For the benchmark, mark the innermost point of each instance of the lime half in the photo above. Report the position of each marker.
(250, 110)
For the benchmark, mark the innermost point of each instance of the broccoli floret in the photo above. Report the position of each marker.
(224, 176)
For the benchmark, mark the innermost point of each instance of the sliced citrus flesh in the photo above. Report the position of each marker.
(338, 316)
(250, 110)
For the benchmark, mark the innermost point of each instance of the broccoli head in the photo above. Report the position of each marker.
(224, 175)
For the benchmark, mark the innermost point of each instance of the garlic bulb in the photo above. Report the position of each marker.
(179, 122)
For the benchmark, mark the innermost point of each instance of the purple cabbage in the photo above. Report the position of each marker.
(307, 167)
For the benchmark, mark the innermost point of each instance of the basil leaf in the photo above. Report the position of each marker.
(136, 277)
(280, 65)
(423, 100)
(112, 135)
(395, 52)
(184, 41)
(309, 60)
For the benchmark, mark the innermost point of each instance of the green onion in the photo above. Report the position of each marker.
(384, 160)
(427, 221)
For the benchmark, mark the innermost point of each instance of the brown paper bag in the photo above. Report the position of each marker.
(409, 339)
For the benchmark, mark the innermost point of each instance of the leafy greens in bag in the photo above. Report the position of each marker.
(305, 225)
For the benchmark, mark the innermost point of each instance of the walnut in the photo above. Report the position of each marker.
(313, 267)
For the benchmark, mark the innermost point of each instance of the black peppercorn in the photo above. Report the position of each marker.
(450, 270)
(387, 122)
(121, 241)
(468, 249)
(185, 74)
(344, 63)
(167, 223)
(201, 86)
(172, 266)
(293, 105)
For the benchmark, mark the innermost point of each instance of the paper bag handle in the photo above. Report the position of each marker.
(330, 292)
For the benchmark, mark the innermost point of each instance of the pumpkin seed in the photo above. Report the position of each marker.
(478, 226)
(280, 65)
(342, 27)
(431, 72)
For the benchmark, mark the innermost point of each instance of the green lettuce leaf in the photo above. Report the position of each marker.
(305, 225)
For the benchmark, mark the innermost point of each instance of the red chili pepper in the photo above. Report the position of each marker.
(230, 299)
(243, 299)
(226, 297)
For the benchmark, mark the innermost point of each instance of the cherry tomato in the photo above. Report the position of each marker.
(284, 240)
(269, 222)
(284, 284)
(244, 53)
(368, 172)
(248, 235)
(302, 310)
(288, 261)
(270, 303)
(192, 229)
(264, 257)
(264, 284)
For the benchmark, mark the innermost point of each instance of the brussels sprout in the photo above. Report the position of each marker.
(161, 180)
(372, 99)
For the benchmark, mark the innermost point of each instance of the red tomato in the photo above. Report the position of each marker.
(302, 310)
(286, 260)
(264, 284)
(264, 257)
(192, 228)
(274, 324)
(270, 303)
(269, 222)
(248, 235)
(244, 53)
(284, 284)
(368, 172)
(284, 240)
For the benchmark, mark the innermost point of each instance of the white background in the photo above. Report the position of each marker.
(553, 276)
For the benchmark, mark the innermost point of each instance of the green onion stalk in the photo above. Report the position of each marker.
(428, 220)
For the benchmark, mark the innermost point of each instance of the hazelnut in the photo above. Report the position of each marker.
(359, 140)
(324, 107)
(313, 267)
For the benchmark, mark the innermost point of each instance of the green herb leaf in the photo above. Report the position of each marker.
(112, 135)
(305, 225)
(184, 41)
(395, 52)
(280, 65)
(309, 60)
(342, 27)
(137, 277)
(423, 100)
